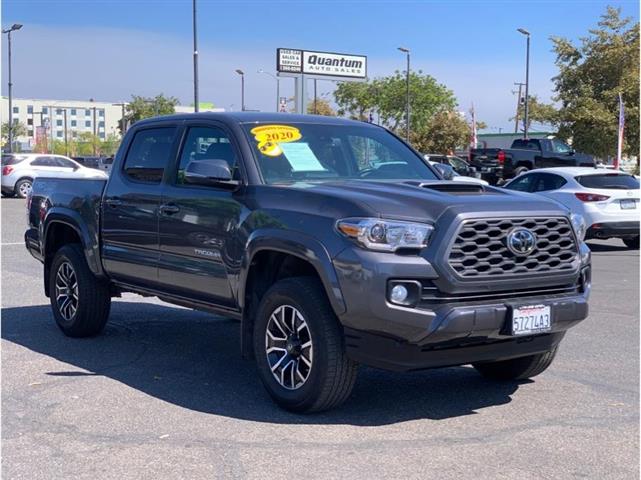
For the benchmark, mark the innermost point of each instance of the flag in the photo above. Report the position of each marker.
(473, 137)
(617, 161)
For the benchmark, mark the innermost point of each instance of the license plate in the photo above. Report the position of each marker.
(628, 204)
(485, 169)
(530, 319)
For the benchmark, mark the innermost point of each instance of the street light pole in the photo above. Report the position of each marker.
(196, 107)
(277, 87)
(14, 27)
(527, 81)
(407, 100)
(242, 89)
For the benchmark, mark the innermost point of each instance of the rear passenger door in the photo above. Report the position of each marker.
(131, 203)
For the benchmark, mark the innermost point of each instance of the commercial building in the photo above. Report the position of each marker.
(60, 119)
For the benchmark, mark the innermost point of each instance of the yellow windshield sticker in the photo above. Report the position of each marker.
(269, 136)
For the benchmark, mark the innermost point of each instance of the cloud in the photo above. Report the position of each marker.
(110, 64)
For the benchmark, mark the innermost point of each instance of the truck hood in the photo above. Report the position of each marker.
(416, 200)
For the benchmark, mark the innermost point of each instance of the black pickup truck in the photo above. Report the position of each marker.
(331, 241)
(527, 154)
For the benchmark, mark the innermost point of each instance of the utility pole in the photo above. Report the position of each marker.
(13, 28)
(407, 99)
(195, 60)
(527, 81)
(66, 136)
(518, 106)
(315, 99)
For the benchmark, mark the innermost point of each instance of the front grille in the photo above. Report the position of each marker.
(479, 249)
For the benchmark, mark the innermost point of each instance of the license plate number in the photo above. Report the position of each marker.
(531, 319)
(628, 204)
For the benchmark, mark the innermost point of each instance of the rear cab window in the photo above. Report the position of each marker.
(149, 154)
(619, 181)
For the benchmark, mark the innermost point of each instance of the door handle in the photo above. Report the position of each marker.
(114, 202)
(169, 209)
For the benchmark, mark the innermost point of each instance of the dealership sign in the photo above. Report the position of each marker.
(321, 63)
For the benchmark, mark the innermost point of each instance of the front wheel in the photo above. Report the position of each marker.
(299, 347)
(632, 242)
(517, 368)
(80, 302)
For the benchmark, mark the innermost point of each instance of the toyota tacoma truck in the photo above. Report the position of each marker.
(330, 240)
(528, 154)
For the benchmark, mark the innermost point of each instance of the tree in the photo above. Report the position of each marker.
(18, 130)
(387, 96)
(538, 112)
(321, 107)
(145, 107)
(591, 77)
(446, 131)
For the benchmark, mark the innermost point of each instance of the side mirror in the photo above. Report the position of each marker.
(208, 172)
(445, 170)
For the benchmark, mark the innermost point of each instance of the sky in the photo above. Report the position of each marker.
(111, 49)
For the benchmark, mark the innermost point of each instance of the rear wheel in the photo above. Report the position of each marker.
(299, 347)
(632, 242)
(517, 368)
(23, 187)
(80, 302)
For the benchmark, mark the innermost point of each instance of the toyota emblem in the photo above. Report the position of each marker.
(521, 241)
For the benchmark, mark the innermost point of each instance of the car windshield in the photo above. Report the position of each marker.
(292, 152)
(609, 180)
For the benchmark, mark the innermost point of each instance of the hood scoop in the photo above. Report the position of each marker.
(453, 188)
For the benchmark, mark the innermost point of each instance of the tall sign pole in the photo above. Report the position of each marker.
(196, 107)
(617, 161)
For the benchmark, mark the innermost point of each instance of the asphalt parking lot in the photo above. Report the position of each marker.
(163, 393)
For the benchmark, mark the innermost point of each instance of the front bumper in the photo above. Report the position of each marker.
(455, 330)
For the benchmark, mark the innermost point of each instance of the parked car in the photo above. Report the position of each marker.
(608, 200)
(99, 163)
(448, 173)
(19, 171)
(459, 165)
(530, 154)
(332, 241)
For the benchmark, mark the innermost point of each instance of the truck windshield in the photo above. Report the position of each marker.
(293, 152)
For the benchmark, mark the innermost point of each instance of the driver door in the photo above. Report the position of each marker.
(198, 224)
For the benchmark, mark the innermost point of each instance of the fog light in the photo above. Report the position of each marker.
(398, 294)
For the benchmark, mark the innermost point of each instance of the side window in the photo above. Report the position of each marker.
(63, 162)
(44, 162)
(149, 154)
(522, 183)
(206, 143)
(548, 181)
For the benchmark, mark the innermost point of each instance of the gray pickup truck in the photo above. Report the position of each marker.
(331, 241)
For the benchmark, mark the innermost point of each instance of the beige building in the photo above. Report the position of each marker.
(70, 117)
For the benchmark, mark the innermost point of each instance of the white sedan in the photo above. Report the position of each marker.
(449, 173)
(607, 199)
(20, 169)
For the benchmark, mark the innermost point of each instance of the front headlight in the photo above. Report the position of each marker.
(385, 235)
(579, 225)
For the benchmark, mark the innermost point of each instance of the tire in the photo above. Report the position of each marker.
(632, 242)
(519, 170)
(23, 187)
(92, 298)
(517, 368)
(8, 194)
(325, 376)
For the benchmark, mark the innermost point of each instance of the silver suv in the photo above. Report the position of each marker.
(19, 171)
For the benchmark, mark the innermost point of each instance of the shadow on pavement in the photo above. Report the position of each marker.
(192, 359)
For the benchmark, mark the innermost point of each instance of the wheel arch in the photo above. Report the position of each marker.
(272, 256)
